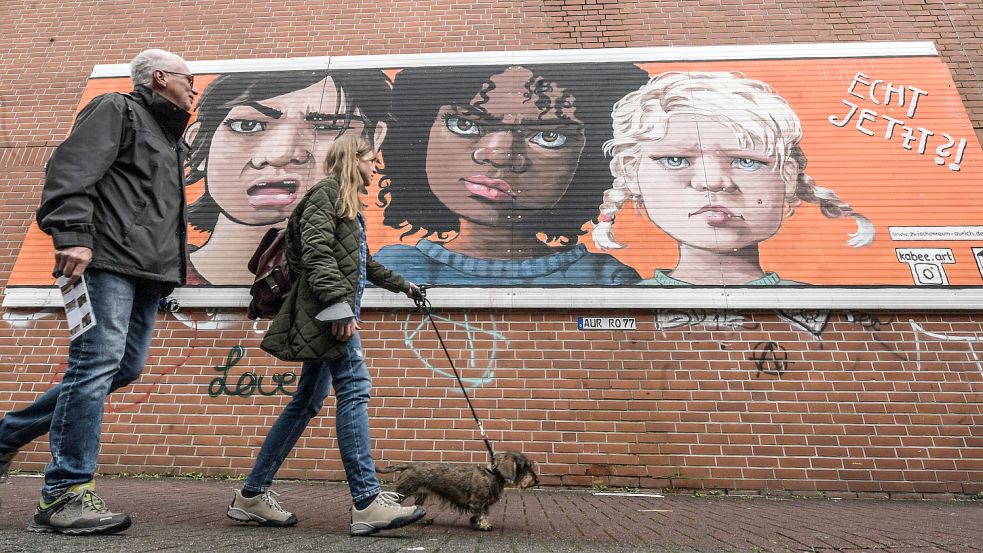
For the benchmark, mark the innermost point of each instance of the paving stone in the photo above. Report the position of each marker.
(178, 515)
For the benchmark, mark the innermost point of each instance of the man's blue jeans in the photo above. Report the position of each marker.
(107, 357)
(353, 388)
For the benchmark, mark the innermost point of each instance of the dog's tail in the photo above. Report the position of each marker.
(391, 468)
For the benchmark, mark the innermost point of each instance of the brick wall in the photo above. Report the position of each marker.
(799, 402)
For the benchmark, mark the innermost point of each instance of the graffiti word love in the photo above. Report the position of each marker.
(770, 358)
(880, 93)
(248, 383)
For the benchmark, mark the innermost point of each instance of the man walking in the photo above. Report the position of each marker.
(113, 203)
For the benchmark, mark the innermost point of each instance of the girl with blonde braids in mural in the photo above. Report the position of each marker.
(714, 159)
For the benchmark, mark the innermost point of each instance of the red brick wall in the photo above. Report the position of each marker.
(870, 402)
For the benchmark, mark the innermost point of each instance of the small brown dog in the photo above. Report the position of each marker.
(470, 488)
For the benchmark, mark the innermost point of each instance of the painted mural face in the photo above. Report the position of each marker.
(266, 154)
(512, 147)
(702, 188)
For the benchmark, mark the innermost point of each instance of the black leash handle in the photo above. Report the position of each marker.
(423, 304)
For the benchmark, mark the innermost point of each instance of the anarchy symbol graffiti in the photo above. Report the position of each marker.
(770, 358)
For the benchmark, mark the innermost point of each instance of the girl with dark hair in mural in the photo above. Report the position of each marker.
(258, 144)
(496, 169)
(714, 160)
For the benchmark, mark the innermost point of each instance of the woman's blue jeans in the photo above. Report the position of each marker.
(353, 387)
(107, 357)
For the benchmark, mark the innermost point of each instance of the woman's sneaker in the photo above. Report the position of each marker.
(385, 513)
(262, 509)
(79, 511)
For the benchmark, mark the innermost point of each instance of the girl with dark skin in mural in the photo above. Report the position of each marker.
(259, 143)
(496, 169)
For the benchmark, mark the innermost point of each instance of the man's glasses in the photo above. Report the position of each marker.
(190, 78)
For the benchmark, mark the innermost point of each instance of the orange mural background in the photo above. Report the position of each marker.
(888, 184)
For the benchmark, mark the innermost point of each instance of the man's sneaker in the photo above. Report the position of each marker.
(385, 513)
(5, 460)
(263, 509)
(78, 511)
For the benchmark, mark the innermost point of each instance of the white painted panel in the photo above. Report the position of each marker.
(680, 53)
(785, 297)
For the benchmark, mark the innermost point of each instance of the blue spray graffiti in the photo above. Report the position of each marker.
(416, 329)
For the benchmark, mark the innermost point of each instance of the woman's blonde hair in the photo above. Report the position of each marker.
(757, 115)
(342, 161)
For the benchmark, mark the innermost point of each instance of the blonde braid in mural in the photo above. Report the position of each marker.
(829, 204)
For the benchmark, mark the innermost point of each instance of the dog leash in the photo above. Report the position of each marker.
(421, 301)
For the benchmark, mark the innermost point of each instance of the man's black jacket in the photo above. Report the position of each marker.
(116, 186)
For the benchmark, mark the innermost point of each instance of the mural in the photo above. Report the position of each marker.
(258, 145)
(797, 167)
(492, 166)
(714, 160)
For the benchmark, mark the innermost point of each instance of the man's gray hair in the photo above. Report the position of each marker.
(145, 63)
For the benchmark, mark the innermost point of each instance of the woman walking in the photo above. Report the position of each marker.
(318, 324)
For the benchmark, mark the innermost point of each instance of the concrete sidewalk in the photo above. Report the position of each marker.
(174, 514)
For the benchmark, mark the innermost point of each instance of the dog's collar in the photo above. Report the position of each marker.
(492, 471)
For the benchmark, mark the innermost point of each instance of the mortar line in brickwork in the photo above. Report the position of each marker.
(962, 46)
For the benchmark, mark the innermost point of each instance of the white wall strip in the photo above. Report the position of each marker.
(660, 54)
(642, 297)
